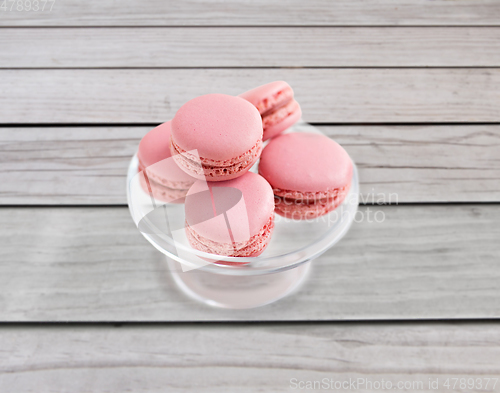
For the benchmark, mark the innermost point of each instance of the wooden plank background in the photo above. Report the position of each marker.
(90, 264)
(244, 358)
(410, 88)
(330, 95)
(261, 13)
(86, 165)
(203, 47)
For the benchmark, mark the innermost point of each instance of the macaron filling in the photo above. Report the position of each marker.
(275, 101)
(309, 197)
(280, 114)
(168, 183)
(210, 168)
(277, 108)
(161, 192)
(296, 205)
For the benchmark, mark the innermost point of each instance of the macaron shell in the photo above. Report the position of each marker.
(254, 247)
(276, 127)
(162, 193)
(270, 96)
(305, 162)
(249, 217)
(219, 126)
(154, 154)
(154, 146)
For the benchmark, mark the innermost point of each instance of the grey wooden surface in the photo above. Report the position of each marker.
(410, 88)
(202, 47)
(261, 13)
(86, 165)
(90, 264)
(246, 358)
(326, 95)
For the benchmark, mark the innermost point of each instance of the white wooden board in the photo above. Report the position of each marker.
(87, 165)
(203, 47)
(250, 358)
(326, 95)
(91, 264)
(257, 13)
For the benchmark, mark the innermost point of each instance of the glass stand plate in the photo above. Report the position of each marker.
(254, 281)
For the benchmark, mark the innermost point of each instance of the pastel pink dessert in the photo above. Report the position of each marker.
(216, 137)
(163, 178)
(276, 105)
(310, 174)
(231, 218)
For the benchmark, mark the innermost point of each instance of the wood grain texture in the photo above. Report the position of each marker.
(259, 13)
(244, 358)
(326, 95)
(91, 264)
(250, 47)
(87, 165)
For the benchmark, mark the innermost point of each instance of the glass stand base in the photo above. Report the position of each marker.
(237, 292)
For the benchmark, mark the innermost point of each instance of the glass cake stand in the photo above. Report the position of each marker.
(239, 283)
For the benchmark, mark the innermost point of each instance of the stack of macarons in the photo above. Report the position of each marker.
(210, 145)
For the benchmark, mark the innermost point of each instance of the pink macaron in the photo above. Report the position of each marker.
(162, 176)
(276, 105)
(216, 137)
(310, 174)
(231, 218)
